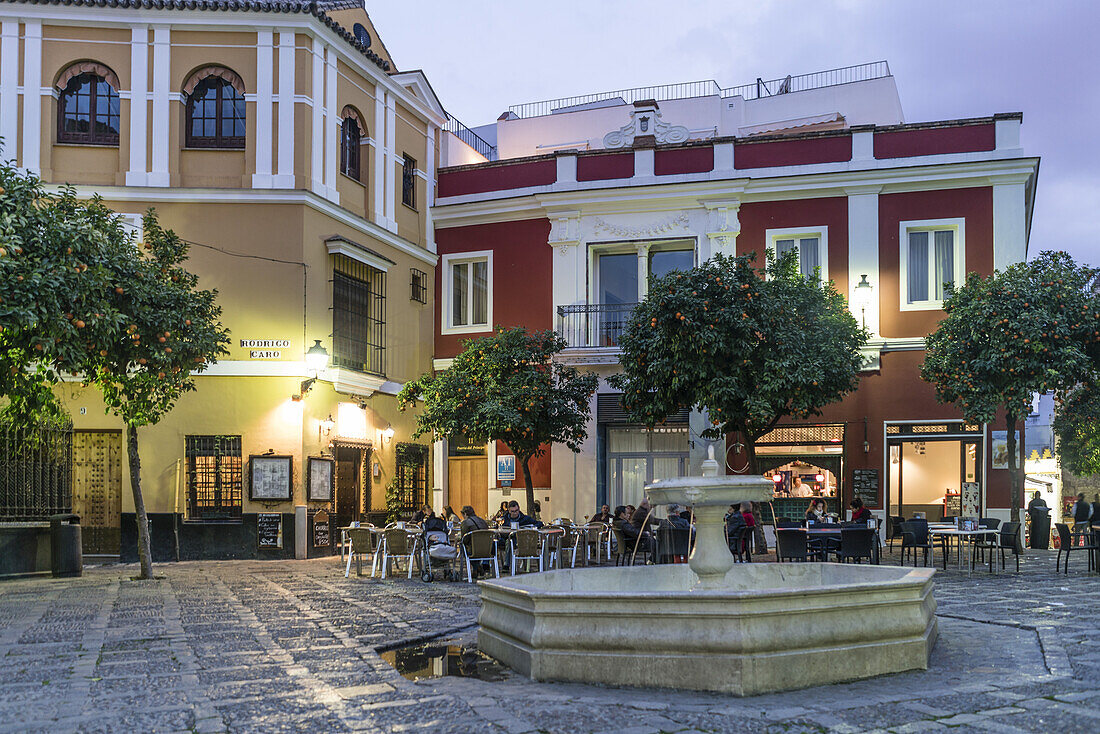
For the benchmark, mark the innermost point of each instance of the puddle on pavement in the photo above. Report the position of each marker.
(445, 658)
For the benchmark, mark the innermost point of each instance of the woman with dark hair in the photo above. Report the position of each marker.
(816, 511)
(497, 518)
(859, 512)
(450, 515)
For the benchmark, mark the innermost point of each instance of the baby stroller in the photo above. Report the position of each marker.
(438, 554)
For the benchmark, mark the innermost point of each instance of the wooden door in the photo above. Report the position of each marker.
(349, 487)
(468, 483)
(97, 489)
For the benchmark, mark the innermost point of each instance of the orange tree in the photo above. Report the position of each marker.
(1077, 428)
(1032, 327)
(748, 350)
(506, 387)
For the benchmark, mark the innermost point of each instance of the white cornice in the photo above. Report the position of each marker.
(672, 192)
(255, 196)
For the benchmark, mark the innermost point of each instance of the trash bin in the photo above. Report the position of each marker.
(1039, 538)
(66, 557)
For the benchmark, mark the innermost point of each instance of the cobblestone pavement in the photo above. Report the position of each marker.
(293, 646)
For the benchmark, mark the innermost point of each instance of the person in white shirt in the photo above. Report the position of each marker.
(801, 490)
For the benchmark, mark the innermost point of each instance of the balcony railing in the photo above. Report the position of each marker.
(595, 325)
(472, 139)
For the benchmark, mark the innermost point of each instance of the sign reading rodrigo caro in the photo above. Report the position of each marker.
(265, 348)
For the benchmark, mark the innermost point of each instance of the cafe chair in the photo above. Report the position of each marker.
(1068, 542)
(914, 537)
(567, 542)
(739, 544)
(1009, 540)
(893, 529)
(528, 547)
(395, 546)
(791, 545)
(359, 545)
(855, 545)
(618, 548)
(595, 534)
(479, 546)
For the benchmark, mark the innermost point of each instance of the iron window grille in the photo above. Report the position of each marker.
(411, 474)
(419, 285)
(408, 182)
(214, 477)
(349, 147)
(358, 316)
(88, 111)
(215, 115)
(36, 471)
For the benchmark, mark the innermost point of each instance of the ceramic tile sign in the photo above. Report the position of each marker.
(321, 536)
(269, 530)
(269, 478)
(506, 470)
(320, 479)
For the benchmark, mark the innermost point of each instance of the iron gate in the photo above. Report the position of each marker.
(36, 471)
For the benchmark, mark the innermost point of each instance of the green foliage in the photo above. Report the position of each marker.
(395, 506)
(746, 349)
(1032, 327)
(506, 387)
(1077, 429)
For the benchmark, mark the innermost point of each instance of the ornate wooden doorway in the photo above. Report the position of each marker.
(97, 489)
(349, 483)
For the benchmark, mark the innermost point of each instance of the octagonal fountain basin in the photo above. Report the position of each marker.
(763, 627)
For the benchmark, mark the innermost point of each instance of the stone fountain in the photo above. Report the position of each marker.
(755, 628)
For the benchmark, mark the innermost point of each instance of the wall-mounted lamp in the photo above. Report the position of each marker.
(316, 360)
(325, 427)
(387, 434)
(861, 296)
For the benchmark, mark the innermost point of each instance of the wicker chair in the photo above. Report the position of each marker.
(395, 546)
(360, 543)
(477, 547)
(527, 546)
(568, 541)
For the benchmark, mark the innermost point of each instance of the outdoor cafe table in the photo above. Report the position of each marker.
(960, 536)
(376, 558)
(834, 532)
(546, 533)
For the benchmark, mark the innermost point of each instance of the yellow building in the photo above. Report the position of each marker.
(283, 143)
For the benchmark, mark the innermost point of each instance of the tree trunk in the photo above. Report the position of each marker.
(750, 452)
(1016, 491)
(529, 484)
(145, 555)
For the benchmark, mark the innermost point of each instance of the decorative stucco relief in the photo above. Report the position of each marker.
(645, 120)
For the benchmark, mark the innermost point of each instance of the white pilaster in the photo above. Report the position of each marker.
(429, 188)
(161, 131)
(317, 137)
(262, 178)
(643, 271)
(863, 251)
(139, 105)
(393, 181)
(643, 163)
(379, 137)
(1009, 224)
(1007, 133)
(567, 168)
(9, 89)
(32, 101)
(332, 128)
(723, 158)
(863, 146)
(285, 176)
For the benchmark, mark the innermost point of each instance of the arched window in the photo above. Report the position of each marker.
(87, 106)
(215, 109)
(351, 132)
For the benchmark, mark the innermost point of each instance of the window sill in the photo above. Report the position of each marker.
(922, 306)
(474, 329)
(353, 180)
(87, 145)
(410, 207)
(212, 148)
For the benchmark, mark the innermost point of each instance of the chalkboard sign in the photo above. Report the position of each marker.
(269, 530)
(952, 505)
(321, 537)
(269, 478)
(865, 486)
(320, 478)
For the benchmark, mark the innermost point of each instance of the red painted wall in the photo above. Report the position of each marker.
(497, 177)
(792, 152)
(757, 217)
(540, 474)
(974, 205)
(929, 141)
(603, 167)
(522, 282)
(697, 159)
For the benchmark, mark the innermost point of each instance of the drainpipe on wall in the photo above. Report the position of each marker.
(176, 513)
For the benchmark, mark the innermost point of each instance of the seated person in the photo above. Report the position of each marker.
(433, 522)
(859, 512)
(514, 515)
(675, 519)
(471, 522)
(642, 516)
(500, 513)
(604, 515)
(450, 515)
(632, 535)
(422, 513)
(816, 511)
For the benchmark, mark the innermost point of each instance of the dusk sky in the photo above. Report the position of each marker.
(949, 59)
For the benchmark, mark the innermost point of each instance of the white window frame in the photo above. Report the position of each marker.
(798, 233)
(958, 225)
(459, 258)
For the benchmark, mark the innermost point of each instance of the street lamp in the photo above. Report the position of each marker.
(861, 296)
(316, 360)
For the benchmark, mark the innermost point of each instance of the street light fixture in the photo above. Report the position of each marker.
(861, 296)
(316, 360)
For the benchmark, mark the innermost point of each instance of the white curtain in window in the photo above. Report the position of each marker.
(782, 247)
(945, 261)
(480, 292)
(918, 267)
(809, 256)
(459, 294)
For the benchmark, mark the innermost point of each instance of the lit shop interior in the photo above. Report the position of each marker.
(804, 462)
(935, 473)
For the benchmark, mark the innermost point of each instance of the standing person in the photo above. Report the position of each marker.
(1037, 501)
(1081, 512)
(800, 490)
(1096, 510)
(757, 525)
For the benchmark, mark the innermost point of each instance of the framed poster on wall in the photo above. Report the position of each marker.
(269, 478)
(320, 479)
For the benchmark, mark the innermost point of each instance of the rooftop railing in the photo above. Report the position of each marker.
(685, 90)
(472, 139)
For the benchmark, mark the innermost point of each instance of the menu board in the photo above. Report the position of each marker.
(865, 486)
(321, 536)
(269, 478)
(319, 480)
(269, 530)
(952, 505)
(970, 500)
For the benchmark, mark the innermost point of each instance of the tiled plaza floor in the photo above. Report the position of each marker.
(292, 646)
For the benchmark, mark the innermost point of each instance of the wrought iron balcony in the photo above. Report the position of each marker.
(593, 325)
